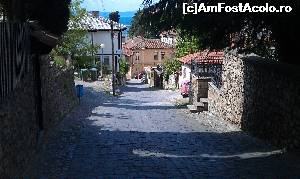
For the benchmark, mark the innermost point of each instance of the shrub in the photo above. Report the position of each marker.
(59, 61)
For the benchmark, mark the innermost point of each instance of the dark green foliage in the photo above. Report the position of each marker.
(124, 67)
(83, 62)
(187, 45)
(141, 29)
(213, 29)
(114, 16)
(74, 42)
(171, 66)
(53, 15)
(59, 61)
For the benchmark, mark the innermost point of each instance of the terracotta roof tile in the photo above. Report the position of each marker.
(142, 43)
(127, 46)
(204, 57)
(151, 44)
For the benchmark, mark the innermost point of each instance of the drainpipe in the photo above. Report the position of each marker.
(113, 59)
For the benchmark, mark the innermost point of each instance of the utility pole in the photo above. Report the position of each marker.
(102, 60)
(113, 58)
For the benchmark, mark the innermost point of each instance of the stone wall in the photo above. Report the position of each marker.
(260, 96)
(58, 92)
(19, 131)
(227, 101)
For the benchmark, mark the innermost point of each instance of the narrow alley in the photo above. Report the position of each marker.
(142, 134)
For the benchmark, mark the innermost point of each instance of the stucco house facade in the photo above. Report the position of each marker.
(99, 33)
(141, 52)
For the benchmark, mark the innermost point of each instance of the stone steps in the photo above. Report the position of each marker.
(204, 100)
(200, 95)
(200, 106)
(192, 108)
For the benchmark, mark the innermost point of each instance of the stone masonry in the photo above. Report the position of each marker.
(260, 96)
(18, 129)
(19, 132)
(58, 92)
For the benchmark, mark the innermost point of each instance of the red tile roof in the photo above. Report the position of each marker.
(137, 43)
(127, 46)
(133, 41)
(204, 57)
(151, 44)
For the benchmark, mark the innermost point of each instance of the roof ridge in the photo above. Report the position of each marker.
(89, 22)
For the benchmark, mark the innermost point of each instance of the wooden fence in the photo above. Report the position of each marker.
(14, 55)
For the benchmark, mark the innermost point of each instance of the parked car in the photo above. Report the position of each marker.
(185, 88)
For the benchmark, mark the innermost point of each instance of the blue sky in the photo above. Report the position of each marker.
(112, 5)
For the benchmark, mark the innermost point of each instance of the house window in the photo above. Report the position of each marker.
(155, 55)
(163, 55)
(106, 60)
(137, 56)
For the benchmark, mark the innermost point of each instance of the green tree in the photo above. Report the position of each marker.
(53, 15)
(139, 28)
(74, 42)
(114, 16)
(214, 29)
(124, 67)
(186, 45)
(171, 66)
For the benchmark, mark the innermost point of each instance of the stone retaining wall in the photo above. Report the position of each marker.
(260, 96)
(227, 102)
(19, 131)
(58, 92)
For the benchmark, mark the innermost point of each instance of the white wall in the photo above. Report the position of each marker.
(187, 69)
(104, 37)
(168, 40)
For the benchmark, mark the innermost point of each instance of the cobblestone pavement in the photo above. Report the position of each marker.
(141, 134)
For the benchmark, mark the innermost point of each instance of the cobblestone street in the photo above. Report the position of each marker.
(142, 134)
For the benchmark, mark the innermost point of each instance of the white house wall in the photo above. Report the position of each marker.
(104, 37)
(187, 69)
